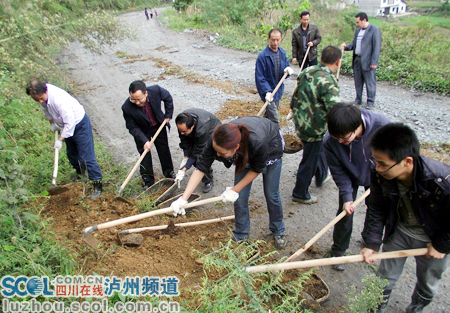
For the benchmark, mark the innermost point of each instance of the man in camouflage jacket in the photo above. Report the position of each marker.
(316, 92)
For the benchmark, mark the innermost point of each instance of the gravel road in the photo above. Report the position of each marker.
(103, 82)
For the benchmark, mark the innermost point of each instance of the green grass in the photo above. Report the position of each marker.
(433, 20)
(423, 4)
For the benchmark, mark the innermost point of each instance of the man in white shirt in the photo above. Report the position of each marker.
(67, 115)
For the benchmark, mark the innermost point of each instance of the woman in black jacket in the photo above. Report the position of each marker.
(254, 145)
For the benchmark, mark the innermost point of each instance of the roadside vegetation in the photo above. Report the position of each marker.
(414, 50)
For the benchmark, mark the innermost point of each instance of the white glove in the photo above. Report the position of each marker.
(178, 206)
(179, 177)
(229, 195)
(55, 127)
(289, 70)
(269, 97)
(183, 163)
(290, 116)
(58, 145)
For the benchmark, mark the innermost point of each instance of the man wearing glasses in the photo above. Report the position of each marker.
(348, 156)
(143, 116)
(410, 202)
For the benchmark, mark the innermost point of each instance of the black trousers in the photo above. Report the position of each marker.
(165, 158)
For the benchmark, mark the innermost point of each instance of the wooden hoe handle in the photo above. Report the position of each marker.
(325, 229)
(138, 217)
(333, 261)
(140, 159)
(261, 112)
(55, 163)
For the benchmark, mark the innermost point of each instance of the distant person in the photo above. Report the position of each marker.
(143, 117)
(271, 64)
(151, 13)
(195, 127)
(156, 13)
(348, 156)
(68, 116)
(306, 35)
(254, 145)
(146, 14)
(366, 46)
(310, 104)
(410, 203)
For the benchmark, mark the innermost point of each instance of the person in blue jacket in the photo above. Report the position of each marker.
(348, 155)
(270, 66)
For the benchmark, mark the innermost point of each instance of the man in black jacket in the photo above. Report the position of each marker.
(143, 116)
(410, 201)
(304, 36)
(195, 127)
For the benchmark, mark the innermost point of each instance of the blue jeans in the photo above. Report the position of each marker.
(271, 182)
(80, 149)
(313, 163)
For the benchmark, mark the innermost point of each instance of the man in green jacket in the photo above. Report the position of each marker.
(316, 92)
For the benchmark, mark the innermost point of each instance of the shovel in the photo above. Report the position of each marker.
(339, 68)
(55, 190)
(333, 261)
(137, 165)
(261, 112)
(87, 232)
(301, 67)
(325, 229)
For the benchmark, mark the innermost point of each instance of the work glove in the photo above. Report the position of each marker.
(289, 70)
(183, 163)
(58, 144)
(55, 127)
(269, 97)
(178, 207)
(290, 116)
(179, 177)
(229, 195)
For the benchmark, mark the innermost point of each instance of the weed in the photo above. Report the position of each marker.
(370, 297)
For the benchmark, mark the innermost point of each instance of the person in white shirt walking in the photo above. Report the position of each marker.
(68, 116)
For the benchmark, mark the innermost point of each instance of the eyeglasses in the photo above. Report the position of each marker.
(382, 172)
(142, 100)
(344, 138)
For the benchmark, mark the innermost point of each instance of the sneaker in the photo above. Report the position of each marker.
(280, 241)
(311, 200)
(338, 267)
(207, 188)
(320, 184)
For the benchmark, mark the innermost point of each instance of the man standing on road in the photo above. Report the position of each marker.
(306, 35)
(68, 116)
(310, 105)
(348, 156)
(143, 117)
(195, 127)
(271, 64)
(366, 46)
(410, 202)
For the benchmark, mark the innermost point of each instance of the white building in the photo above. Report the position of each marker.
(380, 7)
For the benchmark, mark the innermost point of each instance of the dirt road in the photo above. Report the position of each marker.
(104, 80)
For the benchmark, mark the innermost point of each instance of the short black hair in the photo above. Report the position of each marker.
(397, 140)
(343, 119)
(275, 30)
(137, 85)
(304, 13)
(330, 54)
(362, 16)
(36, 87)
(185, 118)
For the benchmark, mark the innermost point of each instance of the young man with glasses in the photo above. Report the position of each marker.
(348, 155)
(410, 204)
(143, 116)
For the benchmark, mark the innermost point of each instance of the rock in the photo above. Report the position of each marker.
(132, 240)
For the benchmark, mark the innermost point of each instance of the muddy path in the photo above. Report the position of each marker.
(200, 74)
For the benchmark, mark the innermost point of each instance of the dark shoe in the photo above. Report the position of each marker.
(207, 188)
(97, 189)
(311, 200)
(280, 241)
(338, 267)
(147, 185)
(357, 103)
(171, 174)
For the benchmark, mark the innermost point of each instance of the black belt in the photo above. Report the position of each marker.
(357, 56)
